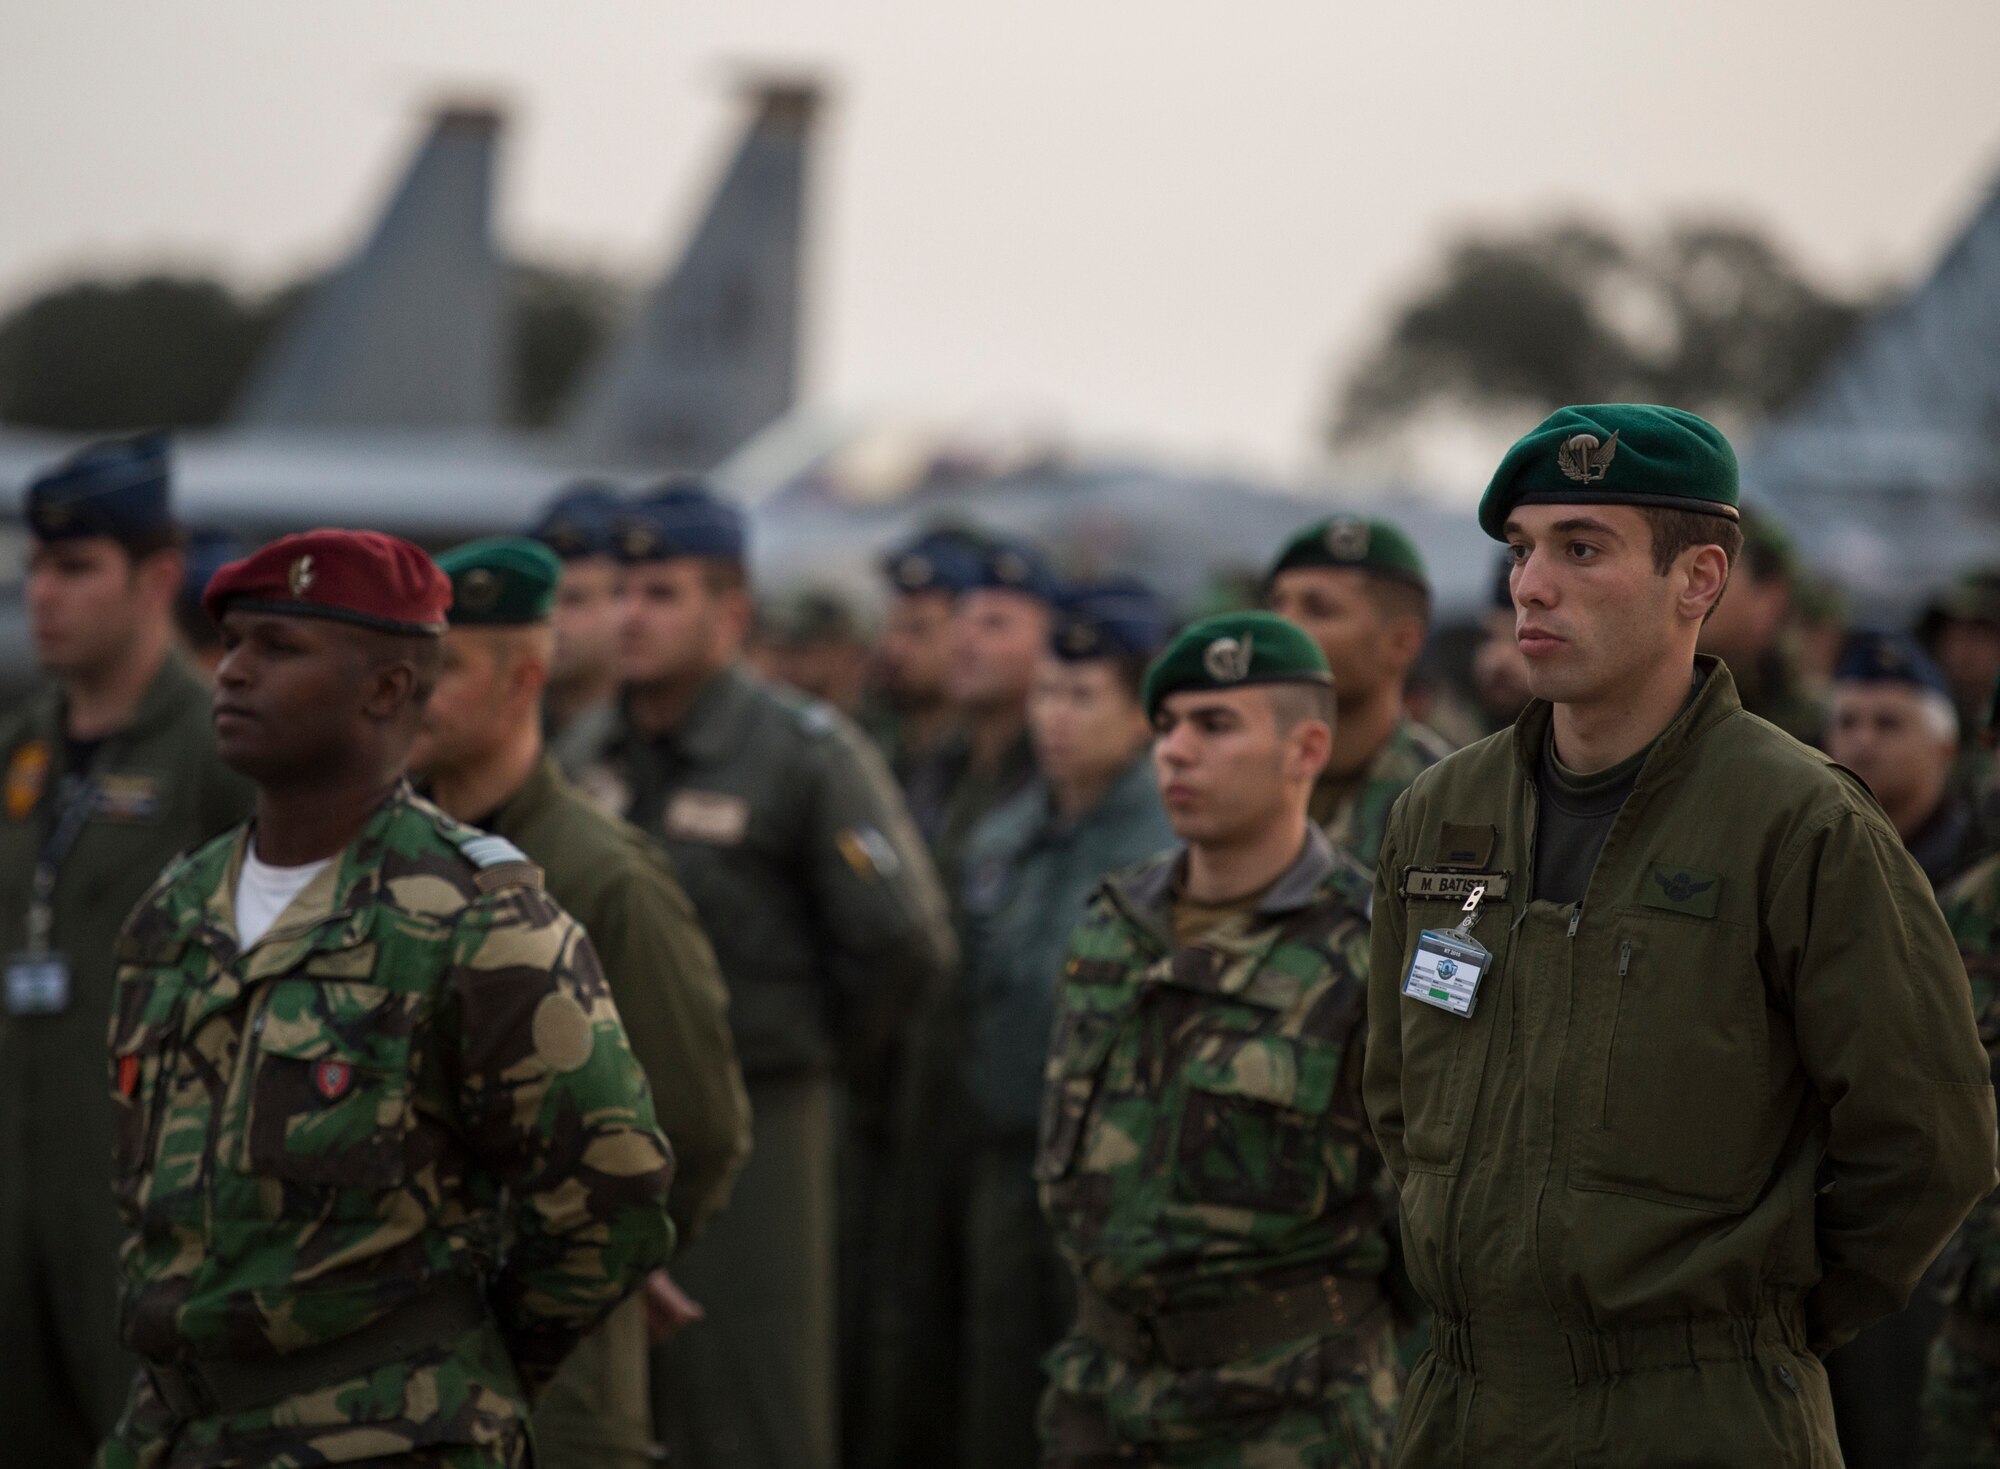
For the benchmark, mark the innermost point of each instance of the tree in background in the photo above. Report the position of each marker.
(1709, 316)
(94, 356)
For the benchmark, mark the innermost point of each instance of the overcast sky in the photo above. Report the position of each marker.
(1160, 224)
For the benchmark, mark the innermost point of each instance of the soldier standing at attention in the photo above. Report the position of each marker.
(785, 827)
(912, 715)
(1031, 866)
(481, 754)
(583, 679)
(1360, 589)
(1669, 1052)
(381, 1146)
(998, 632)
(1203, 1156)
(110, 772)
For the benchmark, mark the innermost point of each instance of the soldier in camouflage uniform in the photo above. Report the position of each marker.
(1360, 589)
(1203, 1156)
(381, 1145)
(1961, 1394)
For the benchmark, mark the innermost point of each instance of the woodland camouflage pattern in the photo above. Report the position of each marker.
(1961, 1402)
(1356, 820)
(1202, 1137)
(416, 1078)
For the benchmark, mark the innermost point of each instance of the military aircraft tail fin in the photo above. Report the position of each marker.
(408, 332)
(712, 355)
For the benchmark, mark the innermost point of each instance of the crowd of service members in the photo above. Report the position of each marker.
(1000, 979)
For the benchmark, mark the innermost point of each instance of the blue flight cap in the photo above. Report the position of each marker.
(1015, 566)
(680, 518)
(1889, 657)
(577, 522)
(115, 487)
(946, 560)
(208, 551)
(1119, 617)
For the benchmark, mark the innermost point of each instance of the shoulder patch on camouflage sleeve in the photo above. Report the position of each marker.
(501, 864)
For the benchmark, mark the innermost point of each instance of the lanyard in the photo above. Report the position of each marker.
(68, 826)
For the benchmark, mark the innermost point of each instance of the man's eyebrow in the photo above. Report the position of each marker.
(1585, 523)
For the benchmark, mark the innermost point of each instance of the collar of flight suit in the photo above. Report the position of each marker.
(158, 707)
(716, 722)
(1712, 703)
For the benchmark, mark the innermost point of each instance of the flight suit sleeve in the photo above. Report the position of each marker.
(555, 1107)
(876, 896)
(675, 1009)
(1885, 1031)
(1382, 1070)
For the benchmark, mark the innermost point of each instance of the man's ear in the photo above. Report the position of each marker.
(1707, 573)
(1406, 641)
(159, 575)
(388, 689)
(1312, 744)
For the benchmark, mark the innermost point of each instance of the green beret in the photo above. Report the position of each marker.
(504, 581)
(1233, 649)
(1614, 454)
(1351, 540)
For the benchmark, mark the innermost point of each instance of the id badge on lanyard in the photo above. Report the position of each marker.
(1450, 962)
(38, 978)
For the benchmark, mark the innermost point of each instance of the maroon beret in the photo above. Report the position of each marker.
(358, 576)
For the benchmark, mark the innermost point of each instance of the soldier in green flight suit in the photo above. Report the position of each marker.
(1669, 1051)
(482, 758)
(1030, 868)
(786, 829)
(1360, 588)
(1203, 1156)
(382, 1149)
(110, 773)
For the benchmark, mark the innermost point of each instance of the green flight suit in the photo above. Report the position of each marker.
(382, 1169)
(1961, 1395)
(597, 1413)
(162, 790)
(1205, 1163)
(1029, 875)
(1698, 1129)
(787, 832)
(1355, 810)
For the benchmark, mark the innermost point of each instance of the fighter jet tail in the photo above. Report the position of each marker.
(712, 355)
(408, 332)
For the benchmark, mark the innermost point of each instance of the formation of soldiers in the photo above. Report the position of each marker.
(533, 1006)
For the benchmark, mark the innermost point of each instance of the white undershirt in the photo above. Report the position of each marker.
(264, 891)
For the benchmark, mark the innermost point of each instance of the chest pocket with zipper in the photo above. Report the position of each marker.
(143, 1028)
(1676, 1105)
(330, 1078)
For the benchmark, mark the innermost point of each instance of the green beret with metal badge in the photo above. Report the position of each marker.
(1614, 454)
(1232, 650)
(1362, 542)
(503, 581)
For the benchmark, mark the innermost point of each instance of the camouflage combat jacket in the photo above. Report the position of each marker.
(1356, 820)
(1202, 1133)
(1972, 908)
(415, 1082)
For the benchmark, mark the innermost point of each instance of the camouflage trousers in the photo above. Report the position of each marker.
(456, 1408)
(1961, 1410)
(1324, 1403)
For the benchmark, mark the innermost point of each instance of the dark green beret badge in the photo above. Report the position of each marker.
(1614, 454)
(1364, 543)
(504, 581)
(1232, 650)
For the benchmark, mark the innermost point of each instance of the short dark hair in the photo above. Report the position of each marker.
(1675, 531)
(722, 576)
(1398, 596)
(1295, 703)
